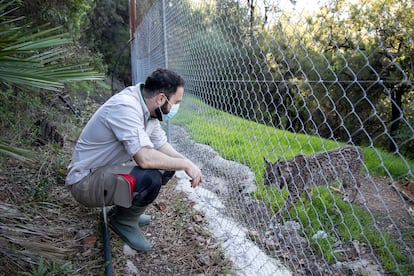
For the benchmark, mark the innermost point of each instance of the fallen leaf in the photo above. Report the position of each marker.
(89, 242)
(198, 218)
(160, 206)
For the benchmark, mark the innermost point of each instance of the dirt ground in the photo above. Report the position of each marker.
(182, 245)
(396, 200)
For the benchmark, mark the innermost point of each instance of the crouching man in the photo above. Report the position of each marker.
(127, 128)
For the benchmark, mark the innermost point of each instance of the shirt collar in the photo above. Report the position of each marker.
(145, 110)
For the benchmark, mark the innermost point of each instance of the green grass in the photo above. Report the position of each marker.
(250, 143)
(46, 267)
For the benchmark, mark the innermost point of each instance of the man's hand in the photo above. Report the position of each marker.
(195, 174)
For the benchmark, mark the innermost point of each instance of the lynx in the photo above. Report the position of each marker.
(304, 172)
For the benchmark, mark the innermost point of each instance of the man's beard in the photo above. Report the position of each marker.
(161, 110)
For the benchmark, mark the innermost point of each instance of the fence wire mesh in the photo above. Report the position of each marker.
(313, 100)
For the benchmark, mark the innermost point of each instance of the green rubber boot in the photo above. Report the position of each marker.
(143, 219)
(124, 221)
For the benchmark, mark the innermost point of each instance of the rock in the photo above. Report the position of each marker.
(128, 251)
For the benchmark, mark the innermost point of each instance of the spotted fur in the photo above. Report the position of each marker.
(304, 172)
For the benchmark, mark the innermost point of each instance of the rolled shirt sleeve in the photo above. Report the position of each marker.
(158, 136)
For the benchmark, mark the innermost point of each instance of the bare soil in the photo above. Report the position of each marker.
(61, 230)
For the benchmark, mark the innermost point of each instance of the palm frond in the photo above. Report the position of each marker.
(15, 152)
(31, 58)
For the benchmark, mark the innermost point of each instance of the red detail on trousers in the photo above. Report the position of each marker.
(131, 181)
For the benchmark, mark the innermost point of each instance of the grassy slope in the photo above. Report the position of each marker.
(250, 143)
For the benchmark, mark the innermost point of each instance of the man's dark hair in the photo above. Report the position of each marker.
(163, 81)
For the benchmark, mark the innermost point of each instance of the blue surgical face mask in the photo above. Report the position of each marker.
(173, 111)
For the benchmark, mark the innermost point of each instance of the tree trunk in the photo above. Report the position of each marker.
(251, 7)
(396, 115)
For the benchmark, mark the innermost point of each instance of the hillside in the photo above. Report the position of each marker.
(44, 231)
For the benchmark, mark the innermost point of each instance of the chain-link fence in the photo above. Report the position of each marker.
(315, 100)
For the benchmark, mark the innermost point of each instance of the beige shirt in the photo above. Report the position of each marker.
(117, 130)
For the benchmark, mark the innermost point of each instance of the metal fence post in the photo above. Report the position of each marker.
(164, 24)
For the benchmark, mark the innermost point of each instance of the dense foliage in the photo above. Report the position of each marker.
(343, 73)
(67, 13)
(33, 61)
(100, 26)
(106, 31)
